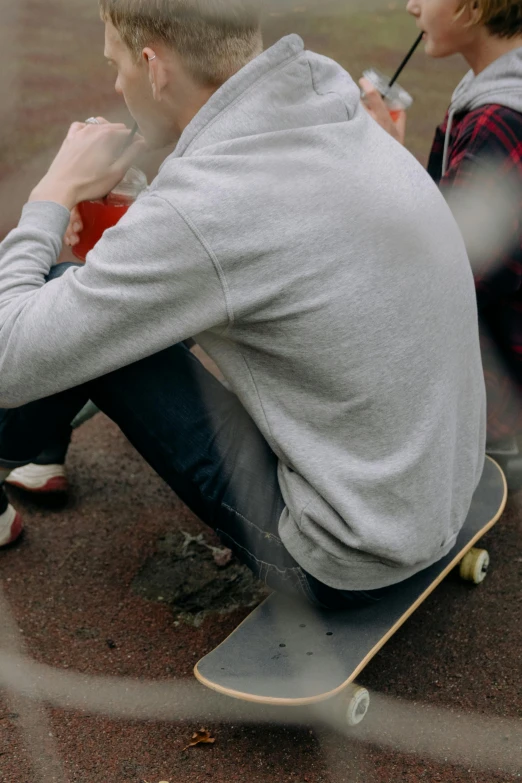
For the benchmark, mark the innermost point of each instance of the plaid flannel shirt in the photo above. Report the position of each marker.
(485, 152)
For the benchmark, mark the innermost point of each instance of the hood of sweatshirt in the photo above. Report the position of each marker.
(500, 83)
(280, 80)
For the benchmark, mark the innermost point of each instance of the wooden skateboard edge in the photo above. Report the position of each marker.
(307, 701)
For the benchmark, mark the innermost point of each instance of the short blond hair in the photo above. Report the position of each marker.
(501, 17)
(214, 38)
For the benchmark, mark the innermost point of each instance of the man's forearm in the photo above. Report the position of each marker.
(148, 284)
(26, 256)
(58, 193)
(30, 250)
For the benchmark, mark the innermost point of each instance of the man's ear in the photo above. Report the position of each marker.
(155, 72)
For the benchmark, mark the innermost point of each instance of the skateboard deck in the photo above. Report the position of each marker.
(290, 653)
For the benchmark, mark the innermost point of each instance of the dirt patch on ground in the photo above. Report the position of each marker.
(196, 578)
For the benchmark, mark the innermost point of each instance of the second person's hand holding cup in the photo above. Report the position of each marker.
(389, 112)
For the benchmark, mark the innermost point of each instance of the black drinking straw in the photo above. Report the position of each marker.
(405, 61)
(131, 135)
(127, 144)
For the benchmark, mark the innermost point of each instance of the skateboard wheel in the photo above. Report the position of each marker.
(474, 566)
(357, 705)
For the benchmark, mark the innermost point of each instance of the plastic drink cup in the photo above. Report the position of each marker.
(396, 98)
(98, 216)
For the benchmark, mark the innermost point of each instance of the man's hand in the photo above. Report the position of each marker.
(91, 161)
(74, 228)
(376, 107)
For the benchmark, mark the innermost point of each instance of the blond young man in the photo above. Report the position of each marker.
(477, 154)
(287, 232)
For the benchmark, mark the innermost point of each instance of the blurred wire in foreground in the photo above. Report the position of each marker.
(446, 736)
(33, 720)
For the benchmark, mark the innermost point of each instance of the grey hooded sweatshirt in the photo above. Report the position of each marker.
(319, 266)
(500, 84)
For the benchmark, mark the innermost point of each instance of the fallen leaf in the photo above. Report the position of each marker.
(222, 557)
(201, 737)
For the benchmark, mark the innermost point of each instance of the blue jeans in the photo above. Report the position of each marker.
(198, 437)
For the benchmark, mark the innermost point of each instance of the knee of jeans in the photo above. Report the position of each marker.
(59, 269)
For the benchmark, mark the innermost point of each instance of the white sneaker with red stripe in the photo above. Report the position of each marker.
(11, 526)
(39, 478)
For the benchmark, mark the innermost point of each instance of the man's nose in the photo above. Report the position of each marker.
(117, 87)
(412, 7)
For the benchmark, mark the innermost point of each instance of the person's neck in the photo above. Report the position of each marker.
(193, 106)
(487, 49)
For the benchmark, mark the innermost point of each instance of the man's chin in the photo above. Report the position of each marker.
(159, 146)
(157, 139)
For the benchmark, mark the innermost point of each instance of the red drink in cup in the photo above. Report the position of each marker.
(396, 99)
(98, 216)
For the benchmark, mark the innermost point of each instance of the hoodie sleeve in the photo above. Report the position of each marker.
(483, 186)
(148, 284)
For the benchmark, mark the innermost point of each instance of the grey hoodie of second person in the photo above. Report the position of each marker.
(500, 83)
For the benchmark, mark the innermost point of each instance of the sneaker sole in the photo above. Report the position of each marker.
(39, 478)
(15, 530)
(54, 485)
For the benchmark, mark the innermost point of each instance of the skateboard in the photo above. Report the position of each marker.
(289, 653)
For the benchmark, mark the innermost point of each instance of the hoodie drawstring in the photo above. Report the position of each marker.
(447, 140)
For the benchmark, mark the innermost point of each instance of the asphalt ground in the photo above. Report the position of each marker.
(447, 686)
(83, 584)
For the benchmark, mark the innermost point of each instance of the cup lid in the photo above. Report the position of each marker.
(132, 184)
(395, 97)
